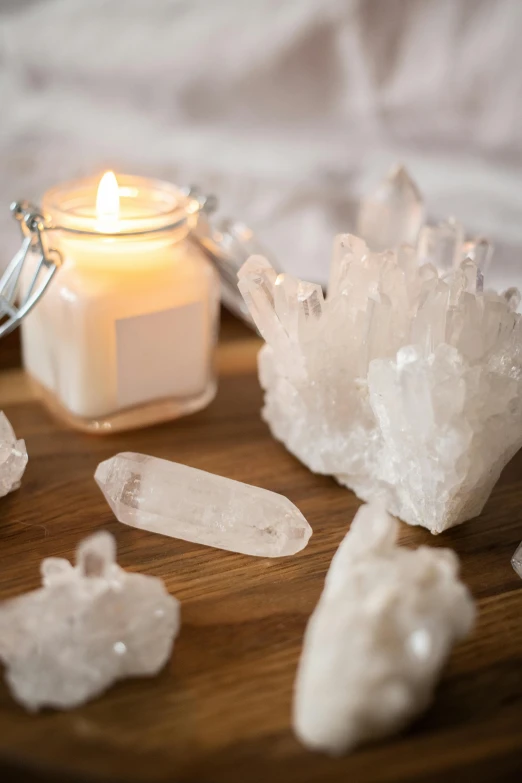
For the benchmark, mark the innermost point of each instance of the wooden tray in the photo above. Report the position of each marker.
(220, 711)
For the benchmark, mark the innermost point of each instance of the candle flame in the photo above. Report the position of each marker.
(108, 198)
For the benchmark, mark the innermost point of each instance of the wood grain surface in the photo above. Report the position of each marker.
(220, 710)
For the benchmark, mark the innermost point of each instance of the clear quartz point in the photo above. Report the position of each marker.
(285, 303)
(441, 245)
(378, 638)
(512, 297)
(516, 561)
(480, 250)
(256, 281)
(13, 457)
(348, 250)
(88, 626)
(393, 214)
(473, 275)
(271, 301)
(182, 502)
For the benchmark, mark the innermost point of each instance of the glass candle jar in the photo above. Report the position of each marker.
(125, 332)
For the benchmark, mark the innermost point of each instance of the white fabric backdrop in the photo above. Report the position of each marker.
(287, 109)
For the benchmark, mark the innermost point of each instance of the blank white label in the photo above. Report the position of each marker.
(161, 354)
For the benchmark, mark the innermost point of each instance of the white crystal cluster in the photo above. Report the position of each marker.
(13, 457)
(378, 638)
(88, 626)
(406, 382)
(175, 500)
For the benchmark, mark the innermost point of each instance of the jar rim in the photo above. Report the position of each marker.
(147, 206)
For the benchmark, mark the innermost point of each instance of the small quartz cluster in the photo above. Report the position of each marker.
(377, 640)
(406, 382)
(88, 626)
(175, 500)
(13, 457)
(516, 561)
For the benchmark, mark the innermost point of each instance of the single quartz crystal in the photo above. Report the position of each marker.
(13, 457)
(512, 297)
(377, 640)
(442, 245)
(405, 383)
(393, 214)
(182, 502)
(516, 561)
(88, 626)
(480, 250)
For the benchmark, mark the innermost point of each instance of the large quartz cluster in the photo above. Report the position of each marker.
(377, 640)
(88, 626)
(13, 457)
(406, 382)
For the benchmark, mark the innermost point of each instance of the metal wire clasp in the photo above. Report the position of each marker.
(15, 304)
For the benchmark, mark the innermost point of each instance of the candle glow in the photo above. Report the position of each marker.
(108, 201)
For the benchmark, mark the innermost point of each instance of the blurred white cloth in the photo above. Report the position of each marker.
(287, 109)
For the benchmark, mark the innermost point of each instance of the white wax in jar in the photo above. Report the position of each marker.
(125, 321)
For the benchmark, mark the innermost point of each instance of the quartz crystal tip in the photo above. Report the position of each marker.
(13, 457)
(182, 502)
(393, 214)
(378, 638)
(86, 627)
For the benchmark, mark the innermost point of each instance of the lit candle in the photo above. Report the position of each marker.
(124, 335)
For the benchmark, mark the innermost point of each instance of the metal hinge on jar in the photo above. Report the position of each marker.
(14, 305)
